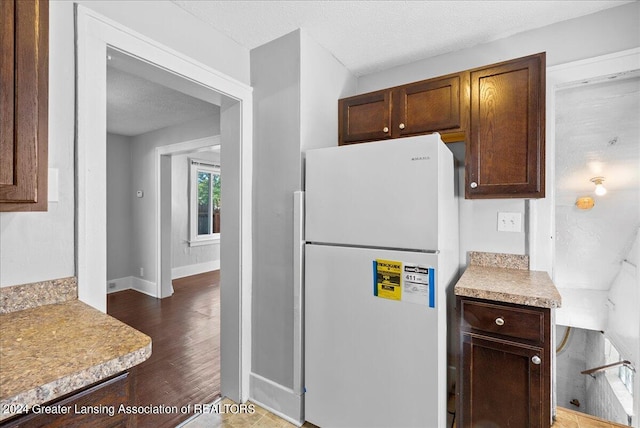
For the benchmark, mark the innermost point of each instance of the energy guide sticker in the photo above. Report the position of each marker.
(388, 275)
(418, 285)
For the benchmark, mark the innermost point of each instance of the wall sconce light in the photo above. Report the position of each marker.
(585, 203)
(600, 189)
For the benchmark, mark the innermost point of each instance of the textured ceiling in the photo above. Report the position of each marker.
(368, 36)
(136, 105)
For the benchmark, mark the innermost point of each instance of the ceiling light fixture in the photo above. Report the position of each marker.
(600, 189)
(585, 203)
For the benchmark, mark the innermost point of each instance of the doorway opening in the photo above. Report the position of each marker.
(146, 125)
(96, 36)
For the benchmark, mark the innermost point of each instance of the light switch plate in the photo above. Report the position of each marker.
(509, 222)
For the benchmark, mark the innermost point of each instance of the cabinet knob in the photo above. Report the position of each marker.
(473, 185)
(385, 129)
(500, 321)
(401, 126)
(536, 360)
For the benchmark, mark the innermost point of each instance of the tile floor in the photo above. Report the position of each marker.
(262, 418)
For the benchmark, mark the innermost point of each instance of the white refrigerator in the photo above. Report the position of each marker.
(381, 232)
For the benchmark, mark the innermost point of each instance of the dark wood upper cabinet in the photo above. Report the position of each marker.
(24, 80)
(498, 110)
(365, 117)
(505, 151)
(433, 105)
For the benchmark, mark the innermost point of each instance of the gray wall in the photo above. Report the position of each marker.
(570, 361)
(131, 234)
(143, 177)
(119, 200)
(275, 77)
(296, 87)
(40, 246)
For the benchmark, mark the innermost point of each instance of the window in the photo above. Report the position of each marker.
(621, 380)
(624, 374)
(204, 202)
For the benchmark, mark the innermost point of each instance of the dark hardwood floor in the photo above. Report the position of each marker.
(184, 367)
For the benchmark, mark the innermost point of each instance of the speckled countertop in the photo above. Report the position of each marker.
(502, 278)
(52, 350)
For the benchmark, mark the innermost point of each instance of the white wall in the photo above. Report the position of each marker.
(172, 26)
(41, 246)
(323, 80)
(624, 301)
(186, 259)
(479, 220)
(119, 201)
(589, 247)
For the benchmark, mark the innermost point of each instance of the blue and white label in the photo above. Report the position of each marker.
(418, 285)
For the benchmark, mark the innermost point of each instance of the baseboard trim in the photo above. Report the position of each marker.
(132, 283)
(119, 284)
(277, 399)
(182, 271)
(144, 286)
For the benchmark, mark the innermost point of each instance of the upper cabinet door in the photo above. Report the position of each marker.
(434, 105)
(24, 79)
(7, 77)
(505, 151)
(365, 117)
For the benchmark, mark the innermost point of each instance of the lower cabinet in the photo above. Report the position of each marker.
(504, 367)
(89, 407)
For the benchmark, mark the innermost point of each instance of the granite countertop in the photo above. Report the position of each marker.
(501, 278)
(51, 350)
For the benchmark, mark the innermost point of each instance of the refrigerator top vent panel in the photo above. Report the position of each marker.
(383, 194)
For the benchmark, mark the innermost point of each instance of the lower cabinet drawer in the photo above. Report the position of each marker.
(504, 320)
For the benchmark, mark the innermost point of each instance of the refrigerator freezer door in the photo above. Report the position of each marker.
(370, 361)
(382, 194)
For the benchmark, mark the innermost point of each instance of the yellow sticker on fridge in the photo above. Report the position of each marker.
(388, 277)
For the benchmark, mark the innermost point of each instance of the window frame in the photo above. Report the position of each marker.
(196, 166)
(616, 382)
